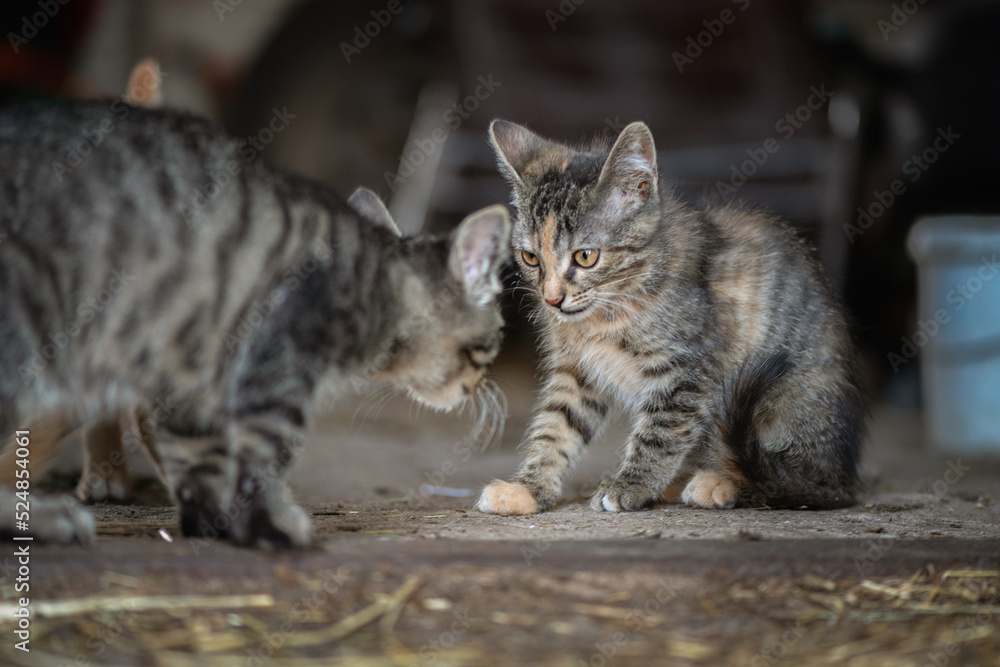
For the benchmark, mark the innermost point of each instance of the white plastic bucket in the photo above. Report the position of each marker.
(958, 330)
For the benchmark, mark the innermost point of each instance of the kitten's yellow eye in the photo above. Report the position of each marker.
(586, 258)
(529, 259)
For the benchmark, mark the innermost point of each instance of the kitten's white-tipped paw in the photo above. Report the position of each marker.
(614, 495)
(501, 497)
(710, 490)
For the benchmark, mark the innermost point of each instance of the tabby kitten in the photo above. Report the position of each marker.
(714, 329)
(168, 271)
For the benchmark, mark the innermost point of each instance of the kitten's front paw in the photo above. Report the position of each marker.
(614, 495)
(710, 490)
(501, 497)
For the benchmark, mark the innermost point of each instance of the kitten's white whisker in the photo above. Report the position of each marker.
(637, 275)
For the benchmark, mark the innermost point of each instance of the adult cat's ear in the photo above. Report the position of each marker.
(369, 205)
(515, 147)
(479, 248)
(630, 170)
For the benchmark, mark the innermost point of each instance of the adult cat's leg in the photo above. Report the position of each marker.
(572, 413)
(265, 447)
(200, 471)
(673, 423)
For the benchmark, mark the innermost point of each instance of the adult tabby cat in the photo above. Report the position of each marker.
(714, 329)
(104, 474)
(164, 268)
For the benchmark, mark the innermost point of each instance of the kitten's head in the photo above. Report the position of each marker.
(585, 218)
(451, 322)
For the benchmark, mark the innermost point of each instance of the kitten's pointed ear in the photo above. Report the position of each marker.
(368, 204)
(630, 170)
(515, 147)
(480, 247)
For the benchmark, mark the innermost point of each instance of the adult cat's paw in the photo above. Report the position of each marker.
(614, 495)
(270, 520)
(710, 490)
(59, 521)
(507, 498)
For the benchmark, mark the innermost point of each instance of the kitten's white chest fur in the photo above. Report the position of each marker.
(614, 372)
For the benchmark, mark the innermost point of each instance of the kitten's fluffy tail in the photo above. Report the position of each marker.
(777, 479)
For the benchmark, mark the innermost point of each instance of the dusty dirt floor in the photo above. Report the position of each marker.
(403, 575)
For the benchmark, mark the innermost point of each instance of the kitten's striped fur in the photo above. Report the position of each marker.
(169, 272)
(714, 329)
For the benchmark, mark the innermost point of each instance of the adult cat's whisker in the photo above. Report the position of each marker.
(375, 402)
(238, 406)
(491, 404)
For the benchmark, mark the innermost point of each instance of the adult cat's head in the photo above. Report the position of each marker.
(586, 219)
(449, 327)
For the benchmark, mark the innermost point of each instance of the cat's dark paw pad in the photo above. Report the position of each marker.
(614, 495)
(270, 520)
(284, 527)
(199, 512)
(507, 498)
(60, 521)
(710, 490)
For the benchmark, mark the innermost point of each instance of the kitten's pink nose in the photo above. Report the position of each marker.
(555, 300)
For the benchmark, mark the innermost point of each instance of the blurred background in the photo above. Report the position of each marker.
(852, 118)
